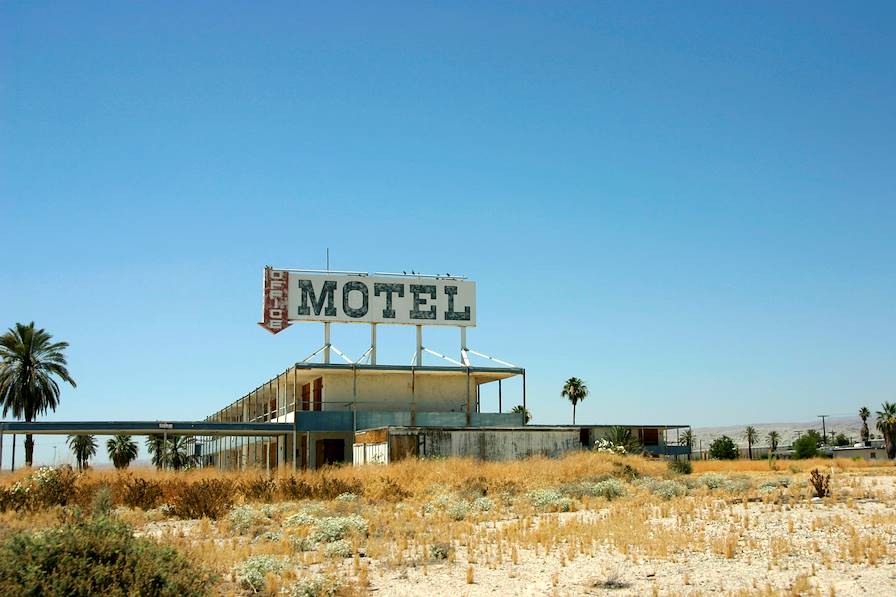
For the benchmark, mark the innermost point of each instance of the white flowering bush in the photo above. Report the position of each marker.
(346, 497)
(608, 488)
(338, 549)
(243, 518)
(668, 489)
(550, 499)
(253, 571)
(333, 528)
(608, 447)
(483, 504)
(314, 586)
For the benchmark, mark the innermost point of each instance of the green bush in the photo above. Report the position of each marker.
(806, 445)
(723, 448)
(680, 467)
(550, 499)
(209, 498)
(333, 528)
(95, 556)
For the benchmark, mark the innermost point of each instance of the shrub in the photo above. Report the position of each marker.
(209, 498)
(258, 489)
(483, 504)
(294, 489)
(458, 509)
(333, 528)
(712, 480)
(254, 570)
(141, 493)
(96, 556)
(668, 489)
(821, 483)
(439, 551)
(243, 518)
(44, 488)
(550, 499)
(102, 501)
(346, 497)
(625, 471)
(314, 586)
(609, 488)
(681, 467)
(384, 489)
(723, 448)
(338, 549)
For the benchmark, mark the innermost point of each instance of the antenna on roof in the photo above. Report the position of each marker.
(328, 258)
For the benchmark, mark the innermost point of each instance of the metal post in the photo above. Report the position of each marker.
(373, 344)
(413, 396)
(468, 397)
(463, 342)
(524, 395)
(499, 396)
(12, 466)
(1, 446)
(419, 358)
(327, 342)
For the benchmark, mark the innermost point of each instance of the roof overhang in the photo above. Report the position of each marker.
(192, 428)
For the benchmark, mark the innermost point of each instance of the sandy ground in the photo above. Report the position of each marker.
(821, 534)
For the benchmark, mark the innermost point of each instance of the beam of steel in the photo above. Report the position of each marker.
(145, 428)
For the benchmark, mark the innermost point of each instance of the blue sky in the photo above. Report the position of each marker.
(691, 207)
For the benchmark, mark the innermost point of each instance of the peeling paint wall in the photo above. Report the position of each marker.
(486, 444)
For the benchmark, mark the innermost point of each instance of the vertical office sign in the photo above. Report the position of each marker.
(275, 314)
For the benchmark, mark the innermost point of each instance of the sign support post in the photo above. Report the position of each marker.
(327, 342)
(373, 344)
(419, 358)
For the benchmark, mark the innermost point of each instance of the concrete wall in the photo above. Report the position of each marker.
(864, 453)
(494, 445)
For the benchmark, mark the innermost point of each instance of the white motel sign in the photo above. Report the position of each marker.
(291, 296)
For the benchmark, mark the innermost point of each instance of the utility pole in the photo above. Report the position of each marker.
(824, 432)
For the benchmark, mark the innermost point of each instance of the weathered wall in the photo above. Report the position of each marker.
(493, 445)
(393, 391)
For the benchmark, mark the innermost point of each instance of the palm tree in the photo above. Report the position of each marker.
(179, 453)
(864, 413)
(527, 416)
(156, 445)
(752, 436)
(30, 363)
(122, 450)
(773, 439)
(886, 424)
(575, 390)
(83, 447)
(687, 439)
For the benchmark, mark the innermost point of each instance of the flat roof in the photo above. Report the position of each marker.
(192, 428)
(519, 427)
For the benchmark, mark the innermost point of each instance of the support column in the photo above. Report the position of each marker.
(419, 359)
(463, 343)
(499, 396)
(468, 397)
(524, 395)
(327, 342)
(373, 344)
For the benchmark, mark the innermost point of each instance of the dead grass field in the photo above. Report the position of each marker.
(586, 524)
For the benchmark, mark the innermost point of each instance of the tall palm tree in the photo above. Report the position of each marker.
(83, 447)
(179, 453)
(864, 413)
(122, 450)
(773, 439)
(752, 436)
(519, 408)
(886, 424)
(687, 439)
(30, 364)
(156, 446)
(575, 390)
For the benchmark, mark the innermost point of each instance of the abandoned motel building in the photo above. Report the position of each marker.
(361, 414)
(315, 414)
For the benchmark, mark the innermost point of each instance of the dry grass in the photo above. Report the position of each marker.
(462, 526)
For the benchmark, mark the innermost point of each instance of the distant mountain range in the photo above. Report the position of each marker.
(850, 426)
